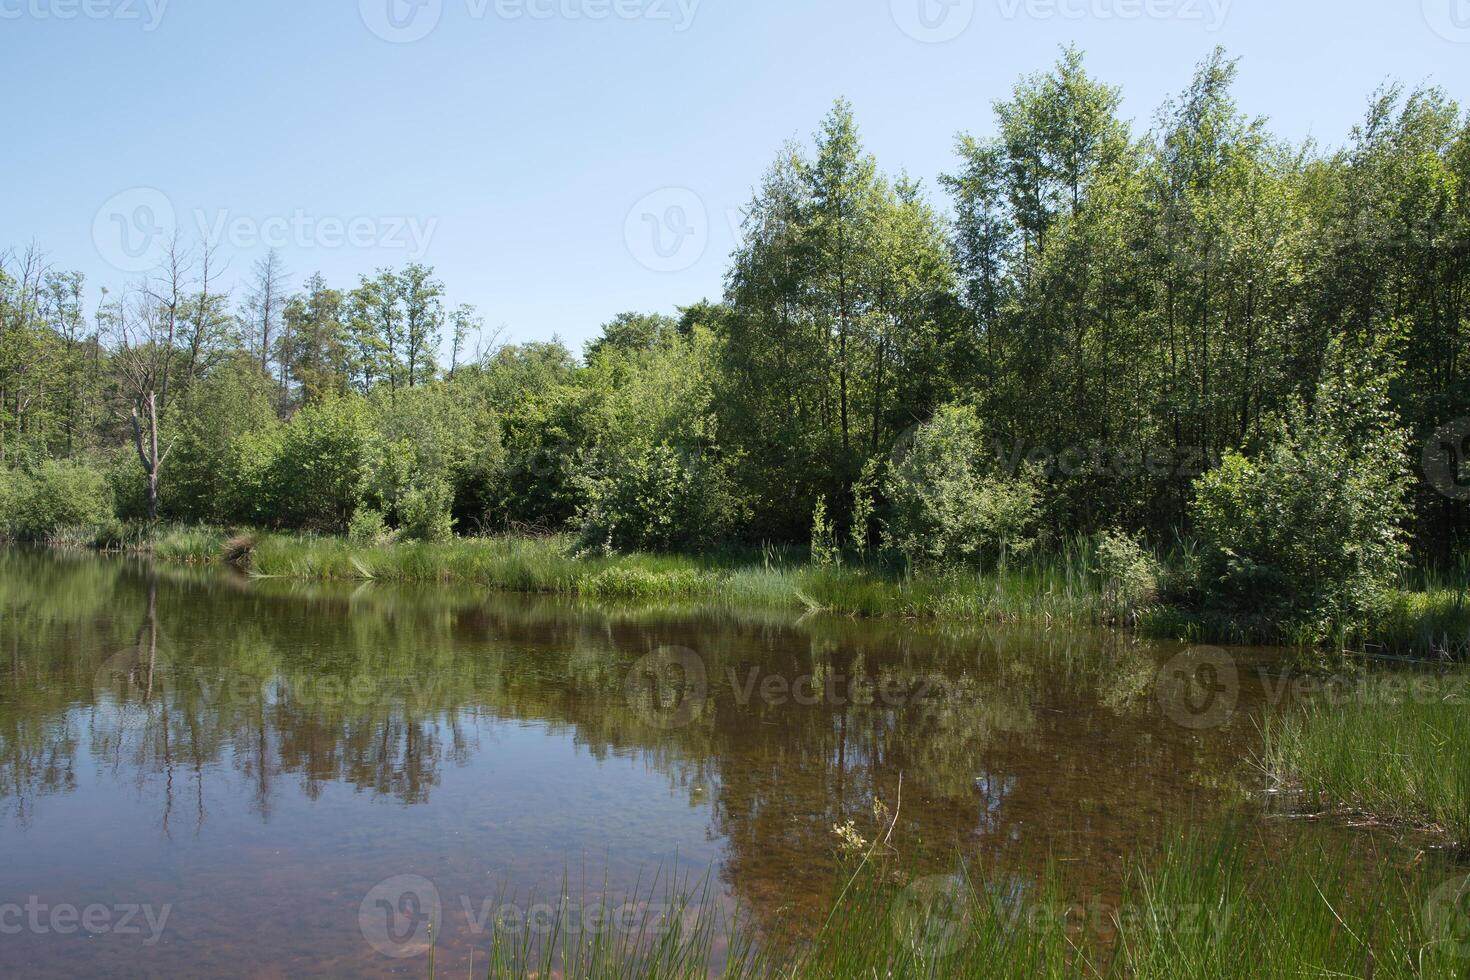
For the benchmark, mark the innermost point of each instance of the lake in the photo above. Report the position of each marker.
(202, 774)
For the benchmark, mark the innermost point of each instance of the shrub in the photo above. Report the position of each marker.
(661, 499)
(56, 498)
(1130, 576)
(424, 512)
(319, 472)
(825, 551)
(948, 502)
(1307, 537)
(367, 526)
(198, 481)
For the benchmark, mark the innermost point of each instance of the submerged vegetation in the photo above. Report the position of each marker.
(1210, 908)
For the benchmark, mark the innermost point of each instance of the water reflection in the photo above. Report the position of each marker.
(245, 750)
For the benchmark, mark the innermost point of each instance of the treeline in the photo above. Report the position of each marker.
(1093, 320)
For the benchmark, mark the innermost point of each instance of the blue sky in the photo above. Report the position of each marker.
(558, 161)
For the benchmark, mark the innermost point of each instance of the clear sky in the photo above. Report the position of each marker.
(558, 161)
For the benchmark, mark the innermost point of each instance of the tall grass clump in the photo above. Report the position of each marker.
(1399, 750)
(1230, 906)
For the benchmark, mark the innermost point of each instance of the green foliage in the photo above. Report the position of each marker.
(1307, 537)
(367, 527)
(425, 512)
(662, 499)
(826, 552)
(948, 505)
(234, 400)
(319, 473)
(1129, 574)
(438, 446)
(1124, 309)
(55, 499)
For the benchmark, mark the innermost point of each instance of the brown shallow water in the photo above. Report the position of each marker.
(256, 759)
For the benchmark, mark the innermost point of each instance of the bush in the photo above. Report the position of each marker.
(57, 498)
(319, 472)
(948, 503)
(1307, 538)
(661, 499)
(367, 527)
(199, 479)
(435, 438)
(1130, 576)
(424, 512)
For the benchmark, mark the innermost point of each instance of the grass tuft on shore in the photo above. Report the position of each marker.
(1057, 584)
(1397, 749)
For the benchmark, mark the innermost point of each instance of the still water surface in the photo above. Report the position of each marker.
(256, 757)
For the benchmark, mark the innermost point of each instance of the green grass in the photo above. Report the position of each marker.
(1057, 587)
(1398, 749)
(1058, 584)
(1214, 906)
